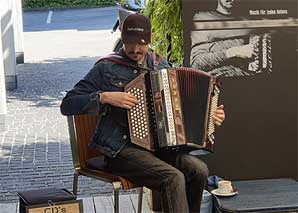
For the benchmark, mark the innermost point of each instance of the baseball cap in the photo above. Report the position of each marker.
(136, 28)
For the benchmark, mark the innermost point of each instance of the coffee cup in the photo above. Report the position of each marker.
(225, 187)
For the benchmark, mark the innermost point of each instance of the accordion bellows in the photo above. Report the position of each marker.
(175, 109)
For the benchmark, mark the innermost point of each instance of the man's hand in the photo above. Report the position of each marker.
(219, 115)
(243, 51)
(119, 99)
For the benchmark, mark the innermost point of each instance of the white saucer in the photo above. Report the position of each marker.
(217, 193)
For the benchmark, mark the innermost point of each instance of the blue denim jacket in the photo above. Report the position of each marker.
(112, 132)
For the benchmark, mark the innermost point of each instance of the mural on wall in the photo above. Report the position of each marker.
(251, 45)
(238, 37)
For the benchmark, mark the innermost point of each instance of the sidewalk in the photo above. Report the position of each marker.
(128, 203)
(35, 150)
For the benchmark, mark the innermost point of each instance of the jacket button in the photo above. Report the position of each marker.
(120, 83)
(135, 71)
(124, 137)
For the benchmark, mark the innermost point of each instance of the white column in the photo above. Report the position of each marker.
(3, 109)
(18, 29)
(8, 45)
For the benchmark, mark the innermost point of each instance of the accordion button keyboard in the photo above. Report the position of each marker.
(138, 115)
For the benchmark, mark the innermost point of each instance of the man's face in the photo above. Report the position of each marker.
(227, 4)
(136, 52)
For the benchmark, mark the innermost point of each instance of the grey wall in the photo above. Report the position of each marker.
(259, 137)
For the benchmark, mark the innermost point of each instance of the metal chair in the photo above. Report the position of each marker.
(90, 163)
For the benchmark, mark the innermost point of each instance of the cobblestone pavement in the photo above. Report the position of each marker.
(34, 149)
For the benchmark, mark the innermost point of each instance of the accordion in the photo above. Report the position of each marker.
(262, 61)
(175, 109)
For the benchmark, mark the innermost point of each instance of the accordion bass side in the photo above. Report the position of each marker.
(175, 109)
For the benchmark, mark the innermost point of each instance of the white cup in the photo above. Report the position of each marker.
(225, 186)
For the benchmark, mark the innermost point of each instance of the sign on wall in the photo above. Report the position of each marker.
(252, 47)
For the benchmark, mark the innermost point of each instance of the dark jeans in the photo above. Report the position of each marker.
(179, 177)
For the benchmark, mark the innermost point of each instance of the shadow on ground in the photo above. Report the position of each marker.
(42, 165)
(43, 84)
(88, 19)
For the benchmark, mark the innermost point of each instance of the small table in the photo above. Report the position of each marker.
(271, 195)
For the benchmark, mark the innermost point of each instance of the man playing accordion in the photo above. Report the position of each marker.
(178, 176)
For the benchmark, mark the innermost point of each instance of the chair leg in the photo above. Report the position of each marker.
(75, 183)
(117, 186)
(140, 200)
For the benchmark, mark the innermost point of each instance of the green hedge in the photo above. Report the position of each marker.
(65, 3)
(167, 28)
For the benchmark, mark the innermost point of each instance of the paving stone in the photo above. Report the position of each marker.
(35, 150)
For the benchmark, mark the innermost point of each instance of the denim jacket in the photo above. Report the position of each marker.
(112, 132)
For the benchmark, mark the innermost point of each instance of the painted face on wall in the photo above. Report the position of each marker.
(227, 4)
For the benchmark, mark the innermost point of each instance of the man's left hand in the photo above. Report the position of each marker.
(219, 115)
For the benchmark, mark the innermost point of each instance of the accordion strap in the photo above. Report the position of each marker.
(154, 61)
(118, 59)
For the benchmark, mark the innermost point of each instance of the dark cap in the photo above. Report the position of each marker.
(136, 28)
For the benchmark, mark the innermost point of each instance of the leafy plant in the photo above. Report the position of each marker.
(167, 28)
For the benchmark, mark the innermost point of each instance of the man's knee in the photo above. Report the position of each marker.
(175, 178)
(194, 167)
(203, 169)
(200, 171)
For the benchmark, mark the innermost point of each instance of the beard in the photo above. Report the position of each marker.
(135, 55)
